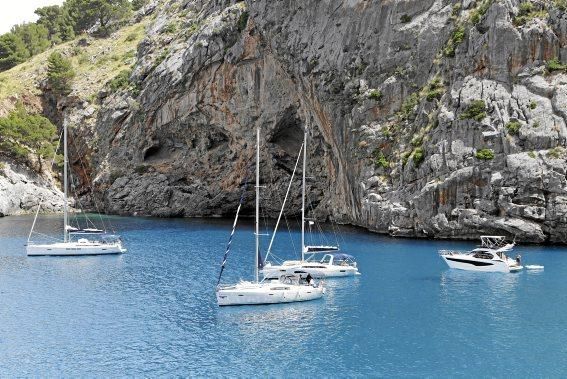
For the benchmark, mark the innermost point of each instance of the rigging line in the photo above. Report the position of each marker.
(89, 186)
(87, 218)
(323, 238)
(41, 198)
(321, 234)
(335, 232)
(47, 236)
(290, 236)
(284, 201)
(276, 188)
(242, 197)
(83, 167)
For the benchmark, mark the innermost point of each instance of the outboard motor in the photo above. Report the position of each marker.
(519, 260)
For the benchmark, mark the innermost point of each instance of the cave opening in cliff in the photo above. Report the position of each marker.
(288, 132)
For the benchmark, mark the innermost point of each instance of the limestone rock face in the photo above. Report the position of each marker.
(433, 118)
(22, 189)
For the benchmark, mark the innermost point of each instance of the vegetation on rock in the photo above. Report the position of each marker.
(556, 152)
(58, 24)
(417, 156)
(434, 89)
(478, 13)
(22, 134)
(485, 154)
(375, 94)
(380, 159)
(242, 21)
(476, 110)
(513, 127)
(60, 73)
(555, 65)
(95, 61)
(457, 37)
(408, 106)
(527, 12)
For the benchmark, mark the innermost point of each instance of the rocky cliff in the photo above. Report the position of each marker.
(22, 189)
(429, 118)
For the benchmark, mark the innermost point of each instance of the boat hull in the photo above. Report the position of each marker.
(267, 293)
(463, 262)
(315, 270)
(74, 249)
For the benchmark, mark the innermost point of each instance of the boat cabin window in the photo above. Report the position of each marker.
(483, 255)
(327, 259)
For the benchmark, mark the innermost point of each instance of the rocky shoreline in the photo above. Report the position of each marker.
(21, 189)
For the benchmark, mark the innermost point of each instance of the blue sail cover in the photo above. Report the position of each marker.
(225, 256)
(260, 260)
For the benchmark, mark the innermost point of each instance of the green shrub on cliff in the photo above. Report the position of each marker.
(513, 127)
(375, 94)
(434, 89)
(556, 152)
(484, 154)
(417, 156)
(120, 81)
(242, 21)
(476, 110)
(457, 37)
(408, 106)
(527, 12)
(380, 159)
(478, 13)
(555, 65)
(560, 4)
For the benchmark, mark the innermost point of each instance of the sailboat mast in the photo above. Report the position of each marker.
(257, 202)
(303, 194)
(65, 184)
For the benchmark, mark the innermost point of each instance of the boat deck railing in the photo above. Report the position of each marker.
(450, 252)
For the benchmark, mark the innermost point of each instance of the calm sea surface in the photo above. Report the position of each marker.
(152, 311)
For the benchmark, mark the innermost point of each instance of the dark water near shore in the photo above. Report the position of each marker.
(152, 311)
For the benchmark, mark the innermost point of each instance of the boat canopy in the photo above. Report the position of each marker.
(342, 257)
(72, 230)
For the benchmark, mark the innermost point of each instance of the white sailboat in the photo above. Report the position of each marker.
(284, 289)
(88, 241)
(332, 264)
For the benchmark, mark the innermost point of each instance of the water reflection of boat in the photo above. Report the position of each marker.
(489, 257)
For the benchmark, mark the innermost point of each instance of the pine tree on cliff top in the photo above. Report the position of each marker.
(60, 73)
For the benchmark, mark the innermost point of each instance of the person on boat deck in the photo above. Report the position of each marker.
(309, 279)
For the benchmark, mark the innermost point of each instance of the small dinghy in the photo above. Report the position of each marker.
(533, 267)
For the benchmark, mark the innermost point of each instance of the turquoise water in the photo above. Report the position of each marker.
(152, 311)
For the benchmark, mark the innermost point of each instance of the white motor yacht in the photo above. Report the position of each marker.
(489, 257)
